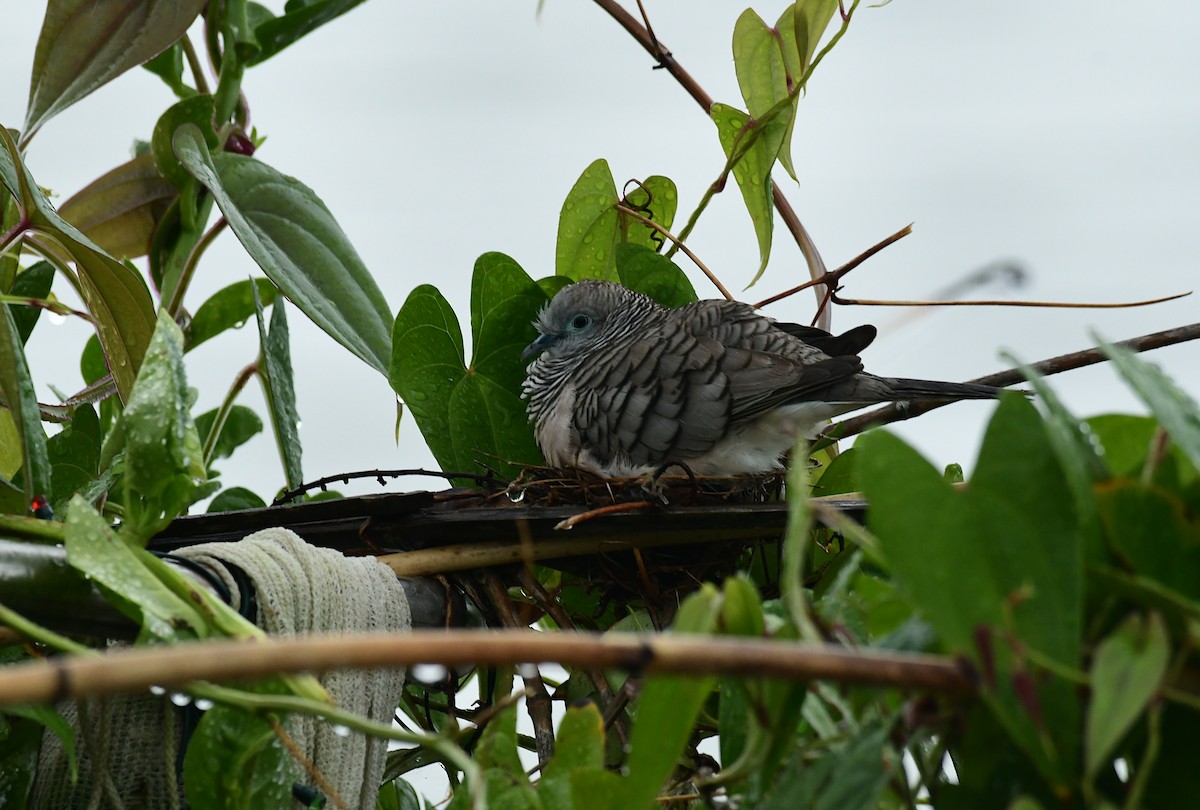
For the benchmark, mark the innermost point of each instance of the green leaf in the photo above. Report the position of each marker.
(809, 26)
(275, 370)
(656, 199)
(1150, 531)
(588, 230)
(667, 708)
(1176, 411)
(653, 274)
(1002, 557)
(164, 465)
(299, 19)
(235, 762)
(467, 415)
(578, 747)
(20, 742)
(83, 45)
(292, 236)
(43, 717)
(839, 476)
(753, 149)
(507, 786)
(74, 454)
(1081, 458)
(168, 66)
(98, 553)
(241, 425)
(1127, 669)
(34, 281)
(848, 779)
(766, 65)
(17, 387)
(228, 308)
(197, 110)
(120, 210)
(398, 795)
(235, 499)
(114, 294)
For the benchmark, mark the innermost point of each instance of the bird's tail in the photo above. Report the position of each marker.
(905, 389)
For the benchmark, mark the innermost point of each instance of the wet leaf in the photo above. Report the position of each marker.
(235, 761)
(754, 155)
(292, 236)
(276, 372)
(228, 308)
(164, 466)
(656, 199)
(588, 230)
(97, 552)
(640, 268)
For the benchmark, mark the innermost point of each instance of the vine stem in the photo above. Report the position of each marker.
(184, 665)
(645, 38)
(218, 425)
(189, 267)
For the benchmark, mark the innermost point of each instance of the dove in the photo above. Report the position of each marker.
(621, 386)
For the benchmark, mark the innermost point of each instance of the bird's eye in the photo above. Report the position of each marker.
(580, 321)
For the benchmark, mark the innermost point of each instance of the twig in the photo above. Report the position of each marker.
(831, 279)
(537, 699)
(555, 610)
(1054, 365)
(865, 302)
(645, 220)
(309, 766)
(600, 511)
(176, 666)
(666, 60)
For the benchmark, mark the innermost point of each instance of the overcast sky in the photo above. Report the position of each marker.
(1064, 136)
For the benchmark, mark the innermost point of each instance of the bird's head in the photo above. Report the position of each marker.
(576, 318)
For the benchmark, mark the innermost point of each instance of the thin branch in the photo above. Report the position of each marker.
(645, 220)
(831, 279)
(189, 52)
(866, 302)
(189, 266)
(661, 54)
(177, 666)
(1054, 365)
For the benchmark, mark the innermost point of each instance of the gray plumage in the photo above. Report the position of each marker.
(622, 385)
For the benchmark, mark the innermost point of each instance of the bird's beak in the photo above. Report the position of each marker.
(543, 342)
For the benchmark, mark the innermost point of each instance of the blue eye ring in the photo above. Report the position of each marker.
(580, 320)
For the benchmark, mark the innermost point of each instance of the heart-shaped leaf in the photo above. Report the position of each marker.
(474, 414)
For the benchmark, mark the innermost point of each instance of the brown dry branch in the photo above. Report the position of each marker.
(1053, 365)
(662, 55)
(537, 699)
(867, 302)
(832, 278)
(136, 669)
